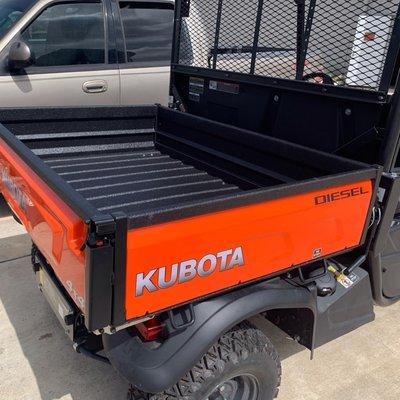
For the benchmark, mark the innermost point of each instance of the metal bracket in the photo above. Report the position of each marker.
(103, 224)
(376, 216)
(182, 310)
(306, 280)
(110, 330)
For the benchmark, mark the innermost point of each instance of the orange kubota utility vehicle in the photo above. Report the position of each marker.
(269, 186)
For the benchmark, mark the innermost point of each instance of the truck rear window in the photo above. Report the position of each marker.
(148, 31)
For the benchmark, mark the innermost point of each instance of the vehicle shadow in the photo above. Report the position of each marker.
(33, 347)
(285, 345)
(4, 209)
(23, 82)
(40, 351)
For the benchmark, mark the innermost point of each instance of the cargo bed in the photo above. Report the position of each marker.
(153, 171)
(183, 187)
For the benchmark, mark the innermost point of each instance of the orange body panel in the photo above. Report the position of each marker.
(57, 231)
(269, 236)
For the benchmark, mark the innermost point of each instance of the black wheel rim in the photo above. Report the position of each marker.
(242, 387)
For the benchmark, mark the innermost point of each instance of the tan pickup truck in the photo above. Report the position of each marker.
(84, 52)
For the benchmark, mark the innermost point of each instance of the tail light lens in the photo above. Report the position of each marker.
(151, 329)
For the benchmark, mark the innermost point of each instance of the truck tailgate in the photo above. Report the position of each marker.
(175, 262)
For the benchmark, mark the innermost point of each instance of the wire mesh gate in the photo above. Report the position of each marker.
(351, 43)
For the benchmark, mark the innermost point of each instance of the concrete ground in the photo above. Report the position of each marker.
(37, 361)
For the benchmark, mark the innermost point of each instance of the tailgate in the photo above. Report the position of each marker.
(176, 262)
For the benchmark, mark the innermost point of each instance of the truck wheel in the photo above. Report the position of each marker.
(242, 365)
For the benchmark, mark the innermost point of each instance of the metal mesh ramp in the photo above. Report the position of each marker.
(343, 43)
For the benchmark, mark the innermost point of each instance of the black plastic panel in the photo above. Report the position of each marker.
(391, 262)
(330, 118)
(345, 310)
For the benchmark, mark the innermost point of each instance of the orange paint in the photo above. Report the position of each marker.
(274, 235)
(57, 231)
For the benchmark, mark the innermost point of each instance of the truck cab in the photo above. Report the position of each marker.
(84, 53)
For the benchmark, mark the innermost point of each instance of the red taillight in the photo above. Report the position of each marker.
(150, 330)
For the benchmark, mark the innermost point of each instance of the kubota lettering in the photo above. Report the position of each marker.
(145, 282)
(187, 270)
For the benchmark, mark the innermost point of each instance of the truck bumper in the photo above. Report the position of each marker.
(53, 292)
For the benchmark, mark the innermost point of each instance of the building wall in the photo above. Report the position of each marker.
(331, 41)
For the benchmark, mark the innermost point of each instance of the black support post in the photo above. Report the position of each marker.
(306, 39)
(177, 33)
(391, 56)
(301, 15)
(390, 149)
(256, 36)
(217, 30)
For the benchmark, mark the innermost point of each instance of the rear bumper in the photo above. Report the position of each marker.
(55, 295)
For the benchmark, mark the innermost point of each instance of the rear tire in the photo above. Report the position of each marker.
(242, 365)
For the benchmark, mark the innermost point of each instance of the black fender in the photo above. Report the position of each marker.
(154, 370)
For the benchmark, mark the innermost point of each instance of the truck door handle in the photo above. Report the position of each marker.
(98, 86)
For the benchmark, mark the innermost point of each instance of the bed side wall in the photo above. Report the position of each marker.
(56, 230)
(176, 262)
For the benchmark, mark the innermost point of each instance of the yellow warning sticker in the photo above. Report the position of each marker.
(344, 281)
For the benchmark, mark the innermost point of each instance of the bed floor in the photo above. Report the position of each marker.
(136, 181)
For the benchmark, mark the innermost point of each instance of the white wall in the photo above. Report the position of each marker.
(331, 41)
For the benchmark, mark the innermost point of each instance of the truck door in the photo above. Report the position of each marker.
(389, 245)
(385, 252)
(70, 65)
(147, 28)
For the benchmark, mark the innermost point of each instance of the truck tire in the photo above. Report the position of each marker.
(242, 365)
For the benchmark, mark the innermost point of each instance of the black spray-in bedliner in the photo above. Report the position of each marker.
(137, 181)
(179, 166)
